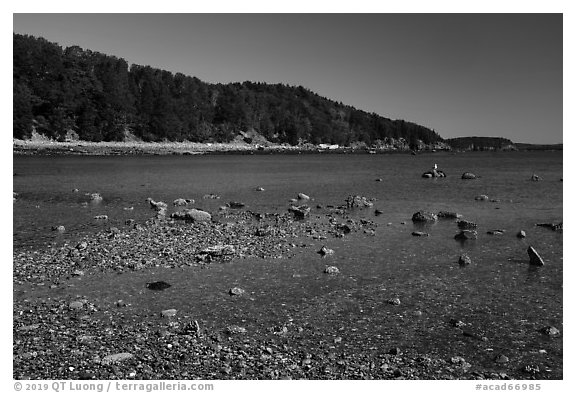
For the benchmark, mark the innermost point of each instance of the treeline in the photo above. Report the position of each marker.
(101, 98)
(479, 143)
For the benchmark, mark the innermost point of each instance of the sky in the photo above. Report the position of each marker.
(459, 74)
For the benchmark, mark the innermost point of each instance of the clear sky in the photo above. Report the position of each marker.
(459, 74)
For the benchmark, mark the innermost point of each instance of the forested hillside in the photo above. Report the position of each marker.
(60, 92)
(481, 143)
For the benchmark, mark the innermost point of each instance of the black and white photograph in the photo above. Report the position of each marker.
(212, 197)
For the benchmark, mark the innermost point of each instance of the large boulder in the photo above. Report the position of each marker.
(157, 205)
(424, 216)
(468, 176)
(192, 215)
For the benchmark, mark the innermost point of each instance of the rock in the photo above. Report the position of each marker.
(158, 285)
(300, 212)
(466, 234)
(395, 351)
(424, 216)
(115, 358)
(129, 208)
(236, 291)
(464, 260)
(433, 174)
(59, 228)
(193, 215)
(344, 228)
(535, 177)
(129, 221)
(468, 176)
(168, 313)
(456, 323)
(496, 232)
(96, 197)
(211, 196)
(394, 301)
(378, 212)
(234, 329)
(264, 231)
(101, 217)
(235, 205)
(501, 359)
(463, 224)
(357, 201)
(82, 246)
(449, 215)
(219, 250)
(76, 305)
(303, 197)
(521, 234)
(535, 258)
(550, 331)
(331, 270)
(379, 179)
(554, 227)
(419, 233)
(158, 206)
(120, 303)
(77, 273)
(180, 202)
(325, 251)
(481, 198)
(259, 189)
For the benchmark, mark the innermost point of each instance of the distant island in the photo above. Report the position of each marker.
(72, 100)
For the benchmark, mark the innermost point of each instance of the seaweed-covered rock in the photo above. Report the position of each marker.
(463, 224)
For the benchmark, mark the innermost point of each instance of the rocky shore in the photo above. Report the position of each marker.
(58, 337)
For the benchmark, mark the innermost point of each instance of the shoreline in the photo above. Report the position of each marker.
(40, 147)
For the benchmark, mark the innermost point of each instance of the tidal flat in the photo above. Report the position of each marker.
(343, 290)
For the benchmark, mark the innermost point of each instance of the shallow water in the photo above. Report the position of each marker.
(503, 300)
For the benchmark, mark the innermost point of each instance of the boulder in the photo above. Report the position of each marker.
(377, 212)
(180, 202)
(449, 215)
(303, 197)
(259, 189)
(331, 270)
(535, 258)
(236, 291)
(192, 215)
(156, 205)
(468, 176)
(96, 197)
(158, 285)
(59, 228)
(325, 251)
(466, 234)
(535, 177)
(168, 313)
(481, 198)
(419, 233)
(394, 301)
(300, 212)
(554, 227)
(235, 205)
(464, 260)
(521, 234)
(357, 201)
(424, 216)
(550, 331)
(463, 224)
(433, 174)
